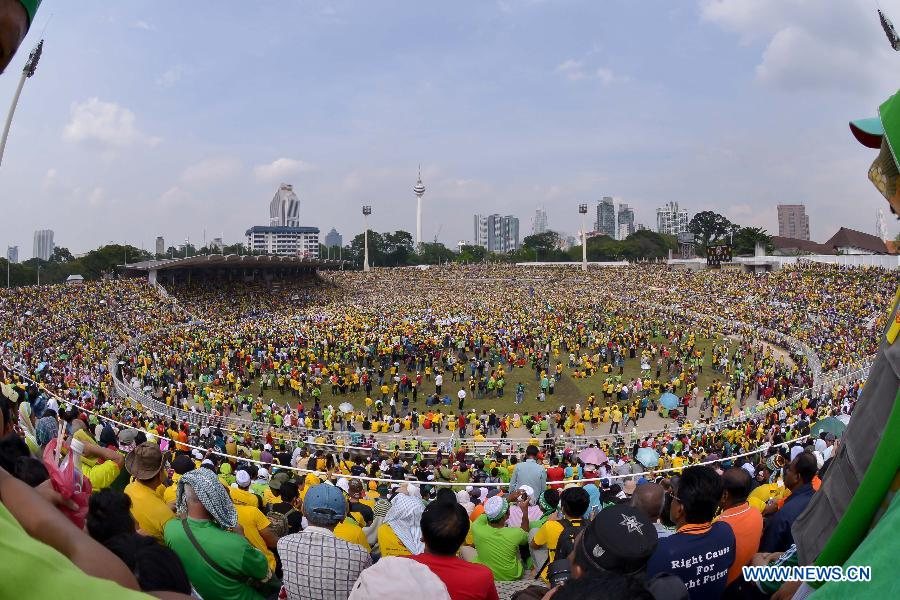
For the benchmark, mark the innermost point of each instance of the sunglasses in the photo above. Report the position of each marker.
(673, 496)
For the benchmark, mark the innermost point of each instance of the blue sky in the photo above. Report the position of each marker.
(165, 118)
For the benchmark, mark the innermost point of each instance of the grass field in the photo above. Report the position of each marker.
(569, 390)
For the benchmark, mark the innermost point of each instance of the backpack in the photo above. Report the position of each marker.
(564, 544)
(279, 522)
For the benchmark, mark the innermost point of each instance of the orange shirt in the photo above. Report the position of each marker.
(747, 524)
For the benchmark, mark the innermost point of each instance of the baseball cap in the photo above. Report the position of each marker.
(324, 504)
(263, 474)
(144, 462)
(277, 479)
(620, 539)
(242, 478)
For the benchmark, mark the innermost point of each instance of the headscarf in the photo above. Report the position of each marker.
(212, 496)
(28, 428)
(462, 496)
(596, 501)
(45, 430)
(404, 517)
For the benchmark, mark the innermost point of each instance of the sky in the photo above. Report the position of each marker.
(169, 118)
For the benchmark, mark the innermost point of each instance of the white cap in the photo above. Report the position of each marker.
(197, 454)
(267, 447)
(263, 474)
(343, 484)
(242, 478)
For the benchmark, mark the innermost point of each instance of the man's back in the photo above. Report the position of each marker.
(531, 474)
(746, 522)
(700, 555)
(317, 565)
(229, 550)
(464, 580)
(498, 548)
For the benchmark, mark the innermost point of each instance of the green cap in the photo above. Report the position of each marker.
(31, 7)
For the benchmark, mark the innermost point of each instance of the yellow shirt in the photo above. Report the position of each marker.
(548, 535)
(148, 509)
(351, 532)
(252, 520)
(389, 543)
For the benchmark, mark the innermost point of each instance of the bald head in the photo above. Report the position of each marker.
(737, 485)
(649, 498)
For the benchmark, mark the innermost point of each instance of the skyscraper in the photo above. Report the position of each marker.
(284, 210)
(160, 245)
(606, 217)
(793, 221)
(671, 220)
(12, 254)
(540, 224)
(43, 244)
(509, 234)
(626, 221)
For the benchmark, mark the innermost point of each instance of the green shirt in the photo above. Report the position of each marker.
(231, 551)
(32, 569)
(498, 548)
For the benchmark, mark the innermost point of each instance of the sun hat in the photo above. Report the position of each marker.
(144, 462)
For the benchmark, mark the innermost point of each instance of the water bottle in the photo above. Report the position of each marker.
(76, 448)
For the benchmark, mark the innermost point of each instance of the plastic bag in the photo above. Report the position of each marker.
(62, 479)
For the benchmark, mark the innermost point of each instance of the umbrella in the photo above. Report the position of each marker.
(648, 457)
(828, 425)
(346, 407)
(669, 400)
(593, 456)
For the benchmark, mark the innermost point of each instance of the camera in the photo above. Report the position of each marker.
(558, 572)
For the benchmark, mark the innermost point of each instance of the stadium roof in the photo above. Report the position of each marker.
(238, 261)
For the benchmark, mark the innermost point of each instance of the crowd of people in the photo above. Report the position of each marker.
(325, 506)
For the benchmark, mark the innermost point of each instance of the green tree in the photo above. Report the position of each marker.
(376, 250)
(647, 245)
(745, 240)
(398, 248)
(471, 254)
(709, 227)
(434, 253)
(544, 246)
(61, 254)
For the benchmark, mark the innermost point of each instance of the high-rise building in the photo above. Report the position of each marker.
(480, 234)
(334, 239)
(284, 210)
(43, 244)
(217, 245)
(12, 254)
(606, 217)
(540, 224)
(160, 245)
(671, 220)
(625, 220)
(793, 222)
(509, 234)
(496, 233)
(284, 234)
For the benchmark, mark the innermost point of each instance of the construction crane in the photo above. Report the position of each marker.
(440, 227)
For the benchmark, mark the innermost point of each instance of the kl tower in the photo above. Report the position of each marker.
(419, 190)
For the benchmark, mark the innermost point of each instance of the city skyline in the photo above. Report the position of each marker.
(512, 105)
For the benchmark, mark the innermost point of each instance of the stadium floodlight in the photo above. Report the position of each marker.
(582, 210)
(30, 67)
(366, 211)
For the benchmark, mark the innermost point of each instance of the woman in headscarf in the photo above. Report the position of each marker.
(401, 534)
(46, 428)
(596, 503)
(26, 424)
(462, 496)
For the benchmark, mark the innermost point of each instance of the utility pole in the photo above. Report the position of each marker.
(367, 210)
(30, 67)
(582, 210)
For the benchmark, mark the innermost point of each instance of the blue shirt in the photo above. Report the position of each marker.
(529, 473)
(700, 555)
(777, 535)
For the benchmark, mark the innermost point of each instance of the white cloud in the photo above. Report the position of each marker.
(170, 77)
(50, 178)
(105, 123)
(281, 168)
(96, 197)
(576, 70)
(144, 25)
(174, 197)
(809, 46)
(211, 170)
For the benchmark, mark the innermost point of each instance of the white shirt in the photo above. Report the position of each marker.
(438, 379)
(461, 394)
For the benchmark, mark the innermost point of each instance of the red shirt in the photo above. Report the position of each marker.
(464, 580)
(556, 474)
